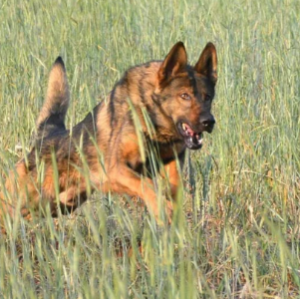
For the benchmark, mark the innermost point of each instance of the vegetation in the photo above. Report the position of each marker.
(236, 231)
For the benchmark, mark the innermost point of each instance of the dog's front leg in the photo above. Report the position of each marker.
(172, 172)
(125, 180)
(172, 175)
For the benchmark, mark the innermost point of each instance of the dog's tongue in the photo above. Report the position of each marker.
(194, 137)
(188, 130)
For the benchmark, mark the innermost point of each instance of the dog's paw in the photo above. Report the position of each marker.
(168, 213)
(162, 216)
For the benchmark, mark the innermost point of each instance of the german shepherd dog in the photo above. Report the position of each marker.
(158, 109)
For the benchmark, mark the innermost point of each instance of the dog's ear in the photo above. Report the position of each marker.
(207, 63)
(174, 63)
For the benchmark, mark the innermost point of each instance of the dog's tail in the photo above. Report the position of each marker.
(52, 116)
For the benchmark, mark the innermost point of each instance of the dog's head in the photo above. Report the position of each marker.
(186, 92)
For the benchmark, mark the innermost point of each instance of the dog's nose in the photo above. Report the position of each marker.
(208, 122)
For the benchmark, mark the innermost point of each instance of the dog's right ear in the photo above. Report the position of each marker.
(207, 63)
(174, 63)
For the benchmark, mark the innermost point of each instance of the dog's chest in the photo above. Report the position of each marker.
(169, 152)
(156, 156)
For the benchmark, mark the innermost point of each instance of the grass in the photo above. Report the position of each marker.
(237, 234)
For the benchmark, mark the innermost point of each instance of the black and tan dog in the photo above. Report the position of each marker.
(140, 131)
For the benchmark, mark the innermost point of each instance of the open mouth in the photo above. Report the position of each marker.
(192, 139)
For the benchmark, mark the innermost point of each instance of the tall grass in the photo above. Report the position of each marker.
(237, 233)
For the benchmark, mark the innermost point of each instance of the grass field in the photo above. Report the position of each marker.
(237, 235)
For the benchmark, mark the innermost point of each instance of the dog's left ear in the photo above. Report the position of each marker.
(174, 63)
(207, 63)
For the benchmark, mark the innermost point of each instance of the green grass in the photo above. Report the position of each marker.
(238, 234)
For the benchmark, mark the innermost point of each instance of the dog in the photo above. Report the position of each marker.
(139, 132)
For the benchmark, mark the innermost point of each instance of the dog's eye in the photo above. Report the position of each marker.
(185, 96)
(207, 97)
